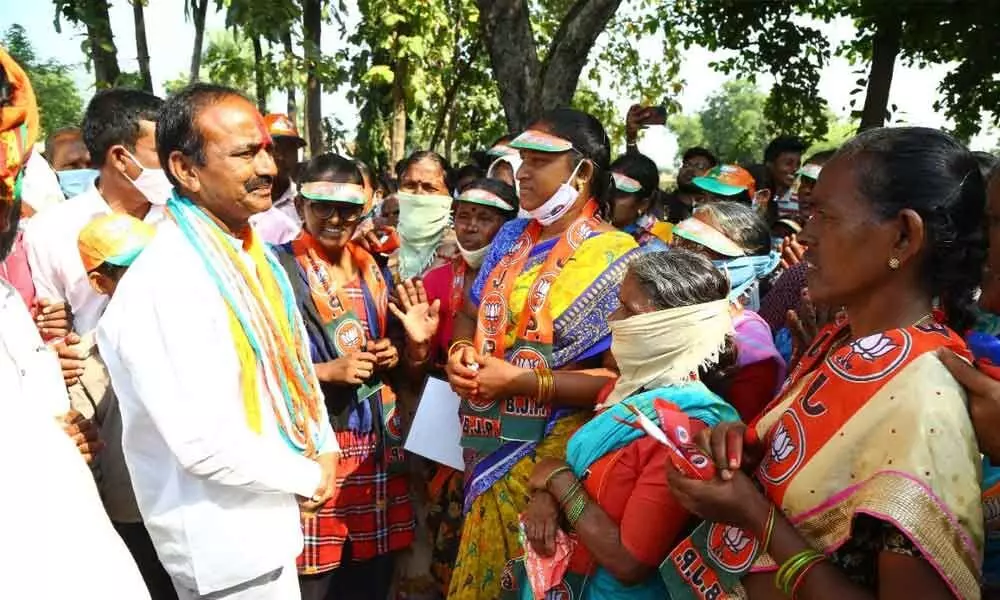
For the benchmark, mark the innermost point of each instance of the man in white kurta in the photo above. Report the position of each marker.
(219, 500)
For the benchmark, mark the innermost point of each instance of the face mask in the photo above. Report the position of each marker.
(559, 204)
(423, 221)
(76, 181)
(744, 273)
(152, 183)
(473, 258)
(423, 216)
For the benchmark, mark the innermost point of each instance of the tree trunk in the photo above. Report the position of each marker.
(141, 48)
(885, 48)
(200, 10)
(527, 87)
(569, 50)
(260, 88)
(103, 52)
(449, 139)
(292, 108)
(451, 93)
(514, 58)
(397, 136)
(312, 29)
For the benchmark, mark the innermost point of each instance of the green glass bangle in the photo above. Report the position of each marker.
(579, 504)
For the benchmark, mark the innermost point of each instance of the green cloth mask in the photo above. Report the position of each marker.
(423, 221)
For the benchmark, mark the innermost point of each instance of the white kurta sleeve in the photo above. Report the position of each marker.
(172, 359)
(43, 266)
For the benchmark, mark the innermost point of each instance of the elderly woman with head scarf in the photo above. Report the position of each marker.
(610, 493)
(737, 239)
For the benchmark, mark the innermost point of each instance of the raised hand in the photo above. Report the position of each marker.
(420, 318)
(792, 251)
(807, 322)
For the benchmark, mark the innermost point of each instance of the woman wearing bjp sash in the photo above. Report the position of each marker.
(536, 318)
(343, 298)
(867, 461)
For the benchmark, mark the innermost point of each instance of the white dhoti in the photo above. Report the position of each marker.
(280, 584)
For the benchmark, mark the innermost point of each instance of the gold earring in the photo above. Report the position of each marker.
(893, 263)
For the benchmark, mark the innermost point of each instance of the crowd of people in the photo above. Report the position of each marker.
(775, 381)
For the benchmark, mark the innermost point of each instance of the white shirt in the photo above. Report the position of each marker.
(217, 499)
(280, 223)
(52, 514)
(56, 268)
(40, 189)
(28, 368)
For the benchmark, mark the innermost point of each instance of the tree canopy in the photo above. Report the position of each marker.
(452, 75)
(58, 99)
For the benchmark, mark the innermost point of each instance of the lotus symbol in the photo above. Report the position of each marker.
(492, 311)
(873, 346)
(781, 446)
(735, 539)
(350, 337)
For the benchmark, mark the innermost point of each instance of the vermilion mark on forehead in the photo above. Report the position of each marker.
(262, 129)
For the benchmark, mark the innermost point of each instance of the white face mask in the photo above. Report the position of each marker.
(152, 183)
(558, 204)
(473, 258)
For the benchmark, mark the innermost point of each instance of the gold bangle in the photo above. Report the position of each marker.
(546, 384)
(457, 343)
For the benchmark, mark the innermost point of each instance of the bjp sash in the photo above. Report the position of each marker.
(347, 331)
(876, 427)
(487, 424)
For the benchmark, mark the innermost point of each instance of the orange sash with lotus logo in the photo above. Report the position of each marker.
(487, 424)
(842, 380)
(834, 381)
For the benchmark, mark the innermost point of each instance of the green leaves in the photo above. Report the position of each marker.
(379, 74)
(59, 100)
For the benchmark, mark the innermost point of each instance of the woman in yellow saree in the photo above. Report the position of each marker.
(867, 463)
(534, 335)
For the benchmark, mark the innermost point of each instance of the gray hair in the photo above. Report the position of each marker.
(678, 277)
(740, 223)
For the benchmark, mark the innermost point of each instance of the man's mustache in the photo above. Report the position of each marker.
(257, 183)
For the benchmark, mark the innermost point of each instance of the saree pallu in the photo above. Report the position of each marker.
(581, 298)
(603, 435)
(878, 427)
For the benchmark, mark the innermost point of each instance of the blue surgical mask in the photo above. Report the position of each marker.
(76, 181)
(744, 273)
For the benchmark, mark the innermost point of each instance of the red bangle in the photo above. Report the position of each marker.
(802, 574)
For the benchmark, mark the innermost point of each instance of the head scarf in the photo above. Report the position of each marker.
(18, 133)
(665, 347)
(423, 222)
(744, 273)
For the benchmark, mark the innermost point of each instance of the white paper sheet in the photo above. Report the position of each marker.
(436, 432)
